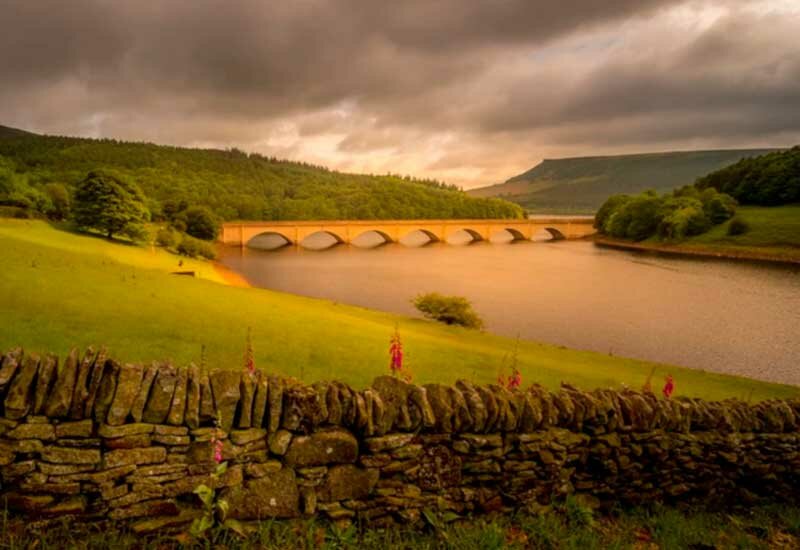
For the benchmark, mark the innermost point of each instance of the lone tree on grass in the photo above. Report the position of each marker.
(109, 204)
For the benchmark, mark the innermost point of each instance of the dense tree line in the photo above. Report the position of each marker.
(769, 180)
(673, 216)
(37, 172)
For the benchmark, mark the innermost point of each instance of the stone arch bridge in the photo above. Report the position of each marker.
(392, 231)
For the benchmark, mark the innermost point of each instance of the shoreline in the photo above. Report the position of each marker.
(230, 277)
(697, 252)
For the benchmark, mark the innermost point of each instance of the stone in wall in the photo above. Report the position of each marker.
(274, 403)
(177, 408)
(347, 482)
(80, 390)
(192, 414)
(44, 382)
(331, 446)
(159, 400)
(140, 401)
(94, 379)
(207, 412)
(18, 400)
(8, 367)
(106, 390)
(129, 380)
(272, 496)
(301, 410)
(260, 400)
(226, 391)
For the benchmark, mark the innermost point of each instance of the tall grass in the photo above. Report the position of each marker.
(563, 526)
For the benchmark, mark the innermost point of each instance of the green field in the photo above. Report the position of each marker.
(60, 289)
(774, 230)
(774, 234)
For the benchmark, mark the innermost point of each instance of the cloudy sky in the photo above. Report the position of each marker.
(471, 92)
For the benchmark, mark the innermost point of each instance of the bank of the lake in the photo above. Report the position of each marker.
(754, 254)
(60, 289)
(229, 276)
(773, 235)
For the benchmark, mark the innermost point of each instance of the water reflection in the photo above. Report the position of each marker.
(322, 240)
(723, 316)
(268, 241)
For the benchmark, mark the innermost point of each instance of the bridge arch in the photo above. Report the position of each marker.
(370, 232)
(515, 234)
(555, 233)
(474, 234)
(268, 240)
(420, 231)
(547, 233)
(332, 240)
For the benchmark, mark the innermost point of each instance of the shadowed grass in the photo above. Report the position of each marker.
(760, 527)
(60, 289)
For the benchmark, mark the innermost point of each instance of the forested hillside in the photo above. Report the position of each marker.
(582, 184)
(769, 180)
(6, 132)
(232, 183)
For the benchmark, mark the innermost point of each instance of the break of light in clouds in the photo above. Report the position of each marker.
(467, 92)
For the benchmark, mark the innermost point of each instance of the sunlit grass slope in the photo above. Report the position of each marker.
(59, 289)
(772, 229)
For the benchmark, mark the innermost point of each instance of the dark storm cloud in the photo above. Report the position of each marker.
(741, 77)
(487, 86)
(277, 54)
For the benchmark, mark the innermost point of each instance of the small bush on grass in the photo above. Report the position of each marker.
(450, 310)
(15, 212)
(167, 237)
(738, 227)
(136, 232)
(191, 247)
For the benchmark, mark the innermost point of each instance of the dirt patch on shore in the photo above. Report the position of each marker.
(230, 277)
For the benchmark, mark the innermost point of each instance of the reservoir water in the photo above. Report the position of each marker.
(725, 316)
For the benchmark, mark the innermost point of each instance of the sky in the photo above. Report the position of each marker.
(467, 92)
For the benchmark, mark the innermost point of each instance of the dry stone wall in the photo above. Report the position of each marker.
(100, 440)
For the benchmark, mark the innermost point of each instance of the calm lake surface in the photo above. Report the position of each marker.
(724, 316)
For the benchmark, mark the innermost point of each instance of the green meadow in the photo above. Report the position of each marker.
(60, 289)
(773, 230)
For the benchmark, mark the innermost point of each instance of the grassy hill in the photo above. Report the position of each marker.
(773, 231)
(6, 132)
(773, 234)
(581, 185)
(60, 289)
(232, 183)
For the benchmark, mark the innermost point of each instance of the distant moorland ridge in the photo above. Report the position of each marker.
(232, 183)
(581, 184)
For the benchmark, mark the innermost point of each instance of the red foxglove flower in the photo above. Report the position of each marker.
(669, 386)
